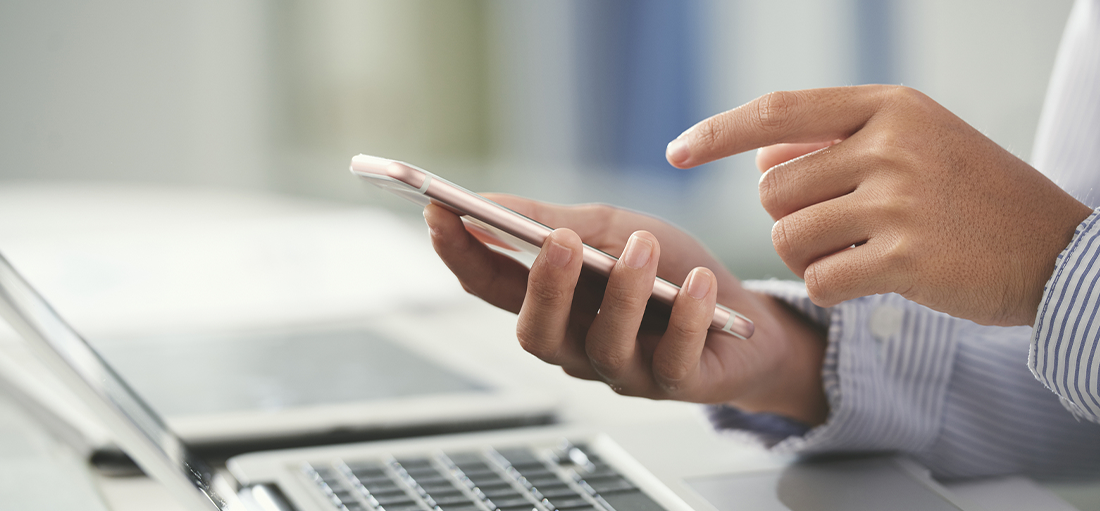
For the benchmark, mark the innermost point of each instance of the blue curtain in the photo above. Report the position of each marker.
(638, 80)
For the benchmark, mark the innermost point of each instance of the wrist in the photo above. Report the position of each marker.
(793, 386)
(1061, 234)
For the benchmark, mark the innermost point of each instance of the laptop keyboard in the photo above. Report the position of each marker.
(514, 479)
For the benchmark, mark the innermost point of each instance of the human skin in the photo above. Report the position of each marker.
(878, 189)
(874, 189)
(599, 328)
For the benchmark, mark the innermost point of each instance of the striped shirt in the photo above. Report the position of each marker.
(957, 396)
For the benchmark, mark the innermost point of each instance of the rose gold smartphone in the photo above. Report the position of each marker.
(508, 231)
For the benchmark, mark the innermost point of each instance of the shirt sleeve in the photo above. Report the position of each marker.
(954, 395)
(1063, 346)
(885, 373)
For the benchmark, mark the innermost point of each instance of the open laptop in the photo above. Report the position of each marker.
(521, 470)
(314, 385)
(288, 331)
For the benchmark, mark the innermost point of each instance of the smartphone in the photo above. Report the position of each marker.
(508, 231)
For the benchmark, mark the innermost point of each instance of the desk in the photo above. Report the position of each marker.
(132, 259)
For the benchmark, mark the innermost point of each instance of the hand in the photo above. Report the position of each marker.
(603, 329)
(878, 189)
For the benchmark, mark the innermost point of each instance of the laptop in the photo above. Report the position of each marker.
(259, 357)
(309, 385)
(530, 469)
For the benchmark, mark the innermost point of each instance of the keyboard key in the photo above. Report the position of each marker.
(414, 462)
(603, 471)
(569, 504)
(476, 471)
(491, 483)
(610, 485)
(546, 482)
(365, 466)
(433, 479)
(513, 502)
(387, 488)
(465, 458)
(404, 507)
(487, 476)
(632, 501)
(441, 489)
(419, 472)
(369, 474)
(450, 500)
(557, 493)
(501, 493)
(394, 500)
(599, 470)
(520, 457)
(344, 495)
(539, 471)
(325, 473)
(382, 485)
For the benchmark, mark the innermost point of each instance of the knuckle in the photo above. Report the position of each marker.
(547, 297)
(682, 331)
(535, 344)
(909, 101)
(817, 287)
(608, 218)
(781, 239)
(620, 296)
(770, 184)
(605, 359)
(906, 95)
(897, 256)
(670, 369)
(597, 210)
(773, 110)
(889, 149)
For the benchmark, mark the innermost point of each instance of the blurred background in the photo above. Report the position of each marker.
(565, 101)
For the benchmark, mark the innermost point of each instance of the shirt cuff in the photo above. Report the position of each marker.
(769, 428)
(1063, 345)
(885, 374)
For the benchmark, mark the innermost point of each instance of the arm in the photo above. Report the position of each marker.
(894, 376)
(952, 394)
(1063, 345)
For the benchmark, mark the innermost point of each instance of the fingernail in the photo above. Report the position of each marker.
(637, 252)
(558, 255)
(698, 285)
(677, 152)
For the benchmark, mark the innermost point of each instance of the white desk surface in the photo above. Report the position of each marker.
(129, 259)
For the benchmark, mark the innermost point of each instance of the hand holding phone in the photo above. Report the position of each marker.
(504, 229)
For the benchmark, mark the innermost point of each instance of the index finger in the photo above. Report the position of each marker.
(814, 115)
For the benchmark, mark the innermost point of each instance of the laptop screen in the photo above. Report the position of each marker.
(276, 370)
(138, 430)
